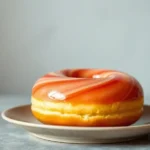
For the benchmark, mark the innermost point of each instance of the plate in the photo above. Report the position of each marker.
(23, 117)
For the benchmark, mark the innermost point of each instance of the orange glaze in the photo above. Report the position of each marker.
(87, 86)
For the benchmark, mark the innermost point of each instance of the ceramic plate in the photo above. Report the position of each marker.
(23, 117)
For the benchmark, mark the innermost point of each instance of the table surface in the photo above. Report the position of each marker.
(15, 138)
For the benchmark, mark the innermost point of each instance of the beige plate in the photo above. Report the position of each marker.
(23, 117)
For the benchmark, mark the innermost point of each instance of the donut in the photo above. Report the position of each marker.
(87, 98)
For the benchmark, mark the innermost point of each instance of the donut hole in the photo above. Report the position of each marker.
(85, 73)
(89, 73)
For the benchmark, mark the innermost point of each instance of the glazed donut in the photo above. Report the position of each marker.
(87, 97)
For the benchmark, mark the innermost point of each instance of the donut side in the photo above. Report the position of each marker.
(116, 114)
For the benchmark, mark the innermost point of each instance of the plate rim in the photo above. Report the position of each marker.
(30, 124)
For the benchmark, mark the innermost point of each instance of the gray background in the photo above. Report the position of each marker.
(38, 36)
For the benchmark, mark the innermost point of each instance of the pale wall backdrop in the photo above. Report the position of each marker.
(38, 36)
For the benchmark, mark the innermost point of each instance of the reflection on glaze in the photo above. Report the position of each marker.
(56, 95)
